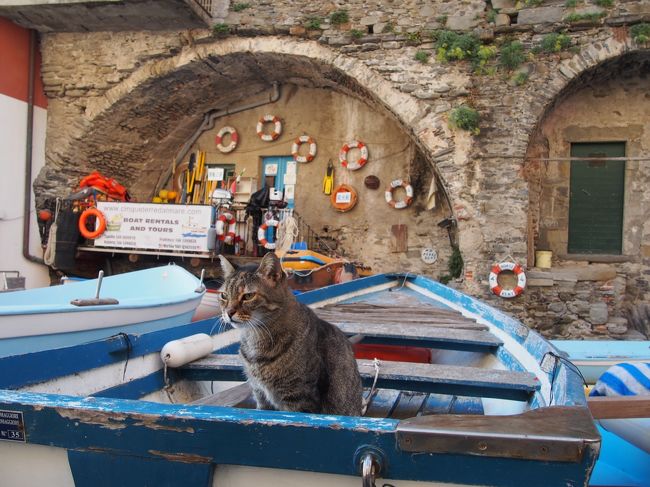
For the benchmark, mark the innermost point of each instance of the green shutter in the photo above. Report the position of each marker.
(596, 199)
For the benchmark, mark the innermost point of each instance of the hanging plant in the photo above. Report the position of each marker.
(465, 118)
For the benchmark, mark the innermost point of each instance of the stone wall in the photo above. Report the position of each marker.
(125, 103)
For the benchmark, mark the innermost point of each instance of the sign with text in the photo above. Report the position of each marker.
(153, 226)
(12, 426)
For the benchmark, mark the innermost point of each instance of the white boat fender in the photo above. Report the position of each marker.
(185, 350)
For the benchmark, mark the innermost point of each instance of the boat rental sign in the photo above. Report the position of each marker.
(155, 226)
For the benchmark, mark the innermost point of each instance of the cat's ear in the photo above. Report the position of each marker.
(271, 268)
(226, 267)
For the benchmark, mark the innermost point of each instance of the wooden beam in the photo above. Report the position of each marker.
(615, 407)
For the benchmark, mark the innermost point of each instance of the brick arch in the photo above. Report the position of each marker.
(146, 116)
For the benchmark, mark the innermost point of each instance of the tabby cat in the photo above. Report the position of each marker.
(294, 361)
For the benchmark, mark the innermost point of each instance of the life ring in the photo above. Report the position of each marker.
(234, 139)
(228, 235)
(304, 139)
(277, 129)
(100, 223)
(343, 198)
(399, 183)
(261, 233)
(507, 266)
(359, 163)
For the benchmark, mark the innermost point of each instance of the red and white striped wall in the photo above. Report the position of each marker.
(14, 73)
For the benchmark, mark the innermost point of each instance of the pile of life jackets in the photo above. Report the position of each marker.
(111, 188)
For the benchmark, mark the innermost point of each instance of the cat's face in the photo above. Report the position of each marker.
(249, 297)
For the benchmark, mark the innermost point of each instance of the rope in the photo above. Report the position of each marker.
(366, 400)
(49, 256)
(286, 235)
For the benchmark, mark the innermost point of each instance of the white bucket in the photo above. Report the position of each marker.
(543, 259)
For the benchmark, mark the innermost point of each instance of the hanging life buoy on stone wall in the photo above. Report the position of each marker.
(261, 233)
(277, 128)
(100, 223)
(234, 139)
(226, 227)
(304, 139)
(359, 163)
(499, 290)
(399, 183)
(343, 198)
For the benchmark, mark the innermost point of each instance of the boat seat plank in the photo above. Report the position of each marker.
(404, 318)
(361, 307)
(423, 336)
(234, 396)
(616, 407)
(448, 379)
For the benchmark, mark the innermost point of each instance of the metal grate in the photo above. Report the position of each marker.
(206, 5)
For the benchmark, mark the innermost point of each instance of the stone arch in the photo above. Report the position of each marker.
(113, 129)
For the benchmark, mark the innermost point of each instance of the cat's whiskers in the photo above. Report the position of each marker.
(257, 323)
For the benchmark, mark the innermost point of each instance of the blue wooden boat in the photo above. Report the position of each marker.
(494, 407)
(64, 315)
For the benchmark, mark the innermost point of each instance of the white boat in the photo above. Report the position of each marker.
(492, 405)
(64, 315)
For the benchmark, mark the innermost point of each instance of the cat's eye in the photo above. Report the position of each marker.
(223, 296)
(248, 296)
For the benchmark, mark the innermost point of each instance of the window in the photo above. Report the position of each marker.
(596, 199)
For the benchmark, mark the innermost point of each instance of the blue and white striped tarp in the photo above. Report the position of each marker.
(626, 379)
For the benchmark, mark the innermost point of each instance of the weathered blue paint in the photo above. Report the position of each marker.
(21, 370)
(99, 469)
(136, 388)
(329, 292)
(206, 434)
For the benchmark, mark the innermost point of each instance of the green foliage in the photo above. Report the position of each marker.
(555, 42)
(483, 56)
(590, 17)
(313, 23)
(520, 78)
(512, 55)
(604, 3)
(356, 33)
(453, 46)
(388, 28)
(640, 33)
(442, 20)
(455, 266)
(413, 38)
(422, 56)
(571, 3)
(339, 17)
(533, 3)
(492, 16)
(238, 7)
(220, 30)
(465, 118)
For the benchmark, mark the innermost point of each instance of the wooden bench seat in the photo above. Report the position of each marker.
(445, 379)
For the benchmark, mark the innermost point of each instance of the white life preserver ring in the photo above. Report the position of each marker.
(399, 183)
(227, 236)
(261, 233)
(358, 164)
(277, 129)
(234, 139)
(304, 139)
(507, 266)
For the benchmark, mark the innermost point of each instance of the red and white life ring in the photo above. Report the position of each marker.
(234, 139)
(359, 163)
(399, 183)
(304, 139)
(507, 266)
(228, 234)
(277, 128)
(261, 233)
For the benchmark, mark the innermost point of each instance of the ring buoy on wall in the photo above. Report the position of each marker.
(277, 128)
(343, 198)
(359, 163)
(304, 139)
(261, 233)
(399, 183)
(507, 266)
(100, 223)
(234, 139)
(227, 233)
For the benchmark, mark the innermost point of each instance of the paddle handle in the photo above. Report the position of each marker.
(100, 276)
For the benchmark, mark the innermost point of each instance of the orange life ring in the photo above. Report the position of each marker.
(343, 198)
(277, 128)
(507, 266)
(358, 164)
(261, 233)
(399, 183)
(228, 235)
(234, 139)
(100, 223)
(304, 139)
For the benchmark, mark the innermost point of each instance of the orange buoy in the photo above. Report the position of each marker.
(343, 198)
(100, 225)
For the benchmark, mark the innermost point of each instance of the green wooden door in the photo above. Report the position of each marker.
(596, 199)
